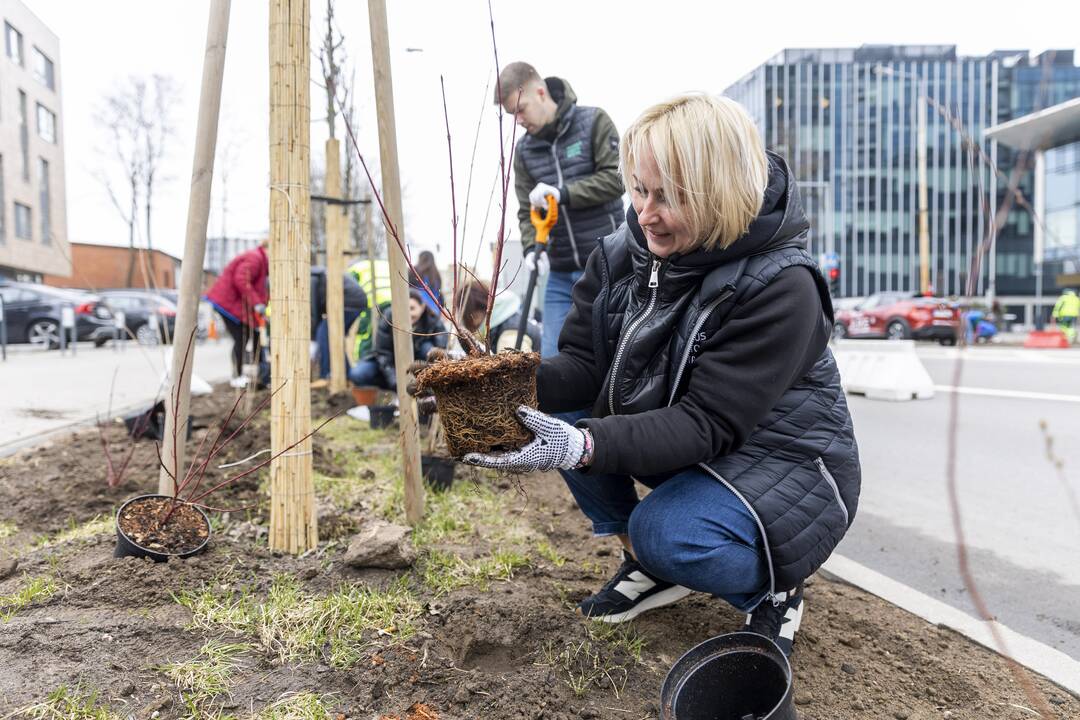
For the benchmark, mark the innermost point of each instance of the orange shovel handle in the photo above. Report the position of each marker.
(544, 223)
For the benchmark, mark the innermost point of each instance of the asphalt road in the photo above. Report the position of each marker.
(46, 391)
(1022, 525)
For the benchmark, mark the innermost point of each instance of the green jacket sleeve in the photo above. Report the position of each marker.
(606, 182)
(523, 185)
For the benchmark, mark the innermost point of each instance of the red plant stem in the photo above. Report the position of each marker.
(176, 409)
(110, 472)
(214, 451)
(214, 445)
(261, 465)
(392, 231)
(161, 462)
(453, 192)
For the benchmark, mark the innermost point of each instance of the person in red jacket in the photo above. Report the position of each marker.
(240, 296)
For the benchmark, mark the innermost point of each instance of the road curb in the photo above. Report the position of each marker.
(1038, 657)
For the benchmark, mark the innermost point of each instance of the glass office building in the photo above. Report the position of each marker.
(846, 121)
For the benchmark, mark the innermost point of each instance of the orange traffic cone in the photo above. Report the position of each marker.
(211, 332)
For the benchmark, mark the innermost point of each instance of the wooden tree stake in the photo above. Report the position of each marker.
(178, 398)
(337, 224)
(399, 270)
(292, 492)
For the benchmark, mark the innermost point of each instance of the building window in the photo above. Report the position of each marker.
(44, 206)
(24, 136)
(23, 229)
(14, 43)
(44, 70)
(46, 124)
(3, 205)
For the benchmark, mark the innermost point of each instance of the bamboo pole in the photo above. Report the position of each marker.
(399, 272)
(292, 506)
(336, 226)
(178, 399)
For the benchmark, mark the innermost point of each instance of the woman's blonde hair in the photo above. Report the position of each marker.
(711, 159)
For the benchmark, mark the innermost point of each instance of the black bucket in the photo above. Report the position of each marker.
(738, 676)
(126, 547)
(438, 472)
(381, 416)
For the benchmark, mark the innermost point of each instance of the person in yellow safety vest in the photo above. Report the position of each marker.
(1066, 312)
(377, 289)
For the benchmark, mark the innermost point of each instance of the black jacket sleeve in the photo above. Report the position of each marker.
(572, 379)
(744, 367)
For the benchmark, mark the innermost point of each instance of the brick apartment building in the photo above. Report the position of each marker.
(99, 267)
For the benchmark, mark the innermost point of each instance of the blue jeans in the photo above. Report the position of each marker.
(322, 337)
(690, 530)
(366, 373)
(557, 302)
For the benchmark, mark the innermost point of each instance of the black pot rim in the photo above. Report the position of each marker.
(751, 642)
(181, 555)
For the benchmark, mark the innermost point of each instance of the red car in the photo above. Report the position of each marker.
(900, 316)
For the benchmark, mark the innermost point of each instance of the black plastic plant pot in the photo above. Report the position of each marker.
(381, 416)
(438, 472)
(126, 547)
(738, 676)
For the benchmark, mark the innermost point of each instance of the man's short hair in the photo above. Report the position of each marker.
(513, 77)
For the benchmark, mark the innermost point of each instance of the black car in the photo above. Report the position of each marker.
(33, 314)
(148, 316)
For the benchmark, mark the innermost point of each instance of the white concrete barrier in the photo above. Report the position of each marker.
(882, 369)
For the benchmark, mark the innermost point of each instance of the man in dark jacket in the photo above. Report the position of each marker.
(355, 302)
(428, 333)
(571, 153)
(699, 339)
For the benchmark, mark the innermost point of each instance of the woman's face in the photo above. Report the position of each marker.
(665, 229)
(416, 310)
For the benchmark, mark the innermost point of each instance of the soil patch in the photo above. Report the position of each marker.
(489, 630)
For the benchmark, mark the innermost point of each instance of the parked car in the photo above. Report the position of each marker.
(900, 316)
(205, 311)
(149, 317)
(33, 314)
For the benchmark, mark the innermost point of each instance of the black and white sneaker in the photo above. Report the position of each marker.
(629, 593)
(778, 618)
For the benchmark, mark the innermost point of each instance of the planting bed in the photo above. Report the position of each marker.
(481, 626)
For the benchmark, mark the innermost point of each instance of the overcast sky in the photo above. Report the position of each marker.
(621, 56)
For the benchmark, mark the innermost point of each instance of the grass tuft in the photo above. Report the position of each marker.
(302, 706)
(582, 665)
(92, 528)
(7, 529)
(207, 675)
(64, 704)
(31, 591)
(549, 553)
(294, 625)
(444, 572)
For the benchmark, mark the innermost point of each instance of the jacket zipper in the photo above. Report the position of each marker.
(832, 483)
(761, 528)
(690, 344)
(654, 286)
(565, 214)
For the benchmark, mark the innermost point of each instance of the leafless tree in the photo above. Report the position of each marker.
(331, 57)
(135, 121)
(155, 121)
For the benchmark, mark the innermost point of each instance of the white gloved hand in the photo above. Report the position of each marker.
(538, 196)
(313, 350)
(541, 265)
(556, 445)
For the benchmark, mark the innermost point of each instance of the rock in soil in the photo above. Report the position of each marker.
(380, 545)
(8, 568)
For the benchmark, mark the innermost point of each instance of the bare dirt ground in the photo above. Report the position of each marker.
(481, 626)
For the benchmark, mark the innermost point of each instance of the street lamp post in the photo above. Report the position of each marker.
(920, 152)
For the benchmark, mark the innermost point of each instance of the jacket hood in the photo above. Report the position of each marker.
(781, 223)
(566, 99)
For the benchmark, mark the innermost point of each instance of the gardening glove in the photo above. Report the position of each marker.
(540, 264)
(260, 309)
(557, 445)
(538, 196)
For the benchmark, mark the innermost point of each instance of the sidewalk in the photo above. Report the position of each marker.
(44, 392)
